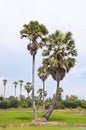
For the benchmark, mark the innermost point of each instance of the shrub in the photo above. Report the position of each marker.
(83, 104)
(47, 104)
(4, 104)
(59, 105)
(71, 104)
(14, 103)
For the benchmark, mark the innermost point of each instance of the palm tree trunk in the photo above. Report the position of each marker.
(33, 97)
(43, 94)
(15, 92)
(20, 90)
(4, 90)
(49, 112)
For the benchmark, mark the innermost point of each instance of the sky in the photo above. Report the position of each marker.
(16, 61)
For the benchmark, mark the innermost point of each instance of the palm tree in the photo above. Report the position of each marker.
(15, 85)
(4, 84)
(45, 93)
(21, 84)
(42, 73)
(60, 90)
(61, 53)
(35, 33)
(40, 91)
(28, 87)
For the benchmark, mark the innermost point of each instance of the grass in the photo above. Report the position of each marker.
(68, 118)
(17, 118)
(45, 128)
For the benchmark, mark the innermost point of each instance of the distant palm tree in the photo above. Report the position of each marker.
(4, 84)
(35, 33)
(43, 74)
(28, 87)
(15, 85)
(60, 55)
(21, 84)
(40, 91)
(60, 90)
(45, 93)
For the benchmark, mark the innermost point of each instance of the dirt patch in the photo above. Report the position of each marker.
(44, 122)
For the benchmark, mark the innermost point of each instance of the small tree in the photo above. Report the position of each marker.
(4, 84)
(21, 84)
(15, 85)
(40, 91)
(42, 73)
(60, 93)
(28, 87)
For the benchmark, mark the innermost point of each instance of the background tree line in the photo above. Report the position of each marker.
(70, 102)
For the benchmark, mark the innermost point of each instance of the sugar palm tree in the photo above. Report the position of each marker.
(21, 84)
(40, 91)
(60, 52)
(42, 73)
(35, 33)
(45, 93)
(4, 84)
(28, 87)
(60, 90)
(15, 85)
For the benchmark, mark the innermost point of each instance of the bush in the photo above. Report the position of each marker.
(59, 105)
(1, 98)
(4, 104)
(23, 104)
(83, 104)
(47, 104)
(14, 103)
(29, 102)
(71, 104)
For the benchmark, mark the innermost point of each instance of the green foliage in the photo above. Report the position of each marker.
(33, 30)
(71, 104)
(60, 105)
(1, 98)
(14, 103)
(4, 104)
(47, 104)
(83, 104)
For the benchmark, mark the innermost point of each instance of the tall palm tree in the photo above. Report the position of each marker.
(15, 85)
(21, 84)
(43, 74)
(60, 52)
(35, 33)
(4, 84)
(28, 87)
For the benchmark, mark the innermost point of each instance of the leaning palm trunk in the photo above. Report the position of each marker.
(48, 113)
(33, 97)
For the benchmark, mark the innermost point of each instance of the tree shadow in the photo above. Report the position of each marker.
(24, 118)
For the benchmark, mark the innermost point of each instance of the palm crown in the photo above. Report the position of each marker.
(60, 52)
(35, 32)
(42, 73)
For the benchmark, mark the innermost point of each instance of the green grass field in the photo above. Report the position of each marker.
(45, 128)
(20, 120)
